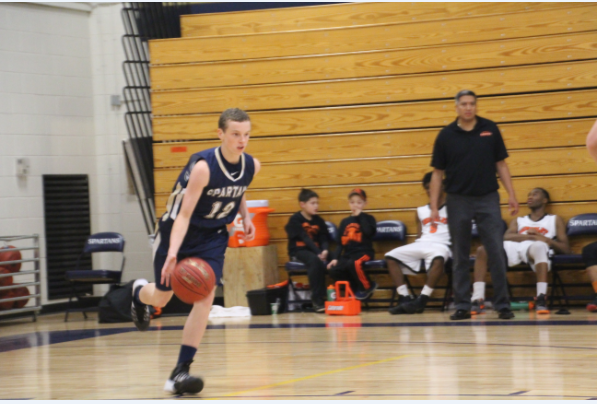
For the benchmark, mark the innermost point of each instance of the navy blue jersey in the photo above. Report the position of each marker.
(219, 202)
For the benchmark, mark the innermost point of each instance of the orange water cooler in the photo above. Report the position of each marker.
(258, 211)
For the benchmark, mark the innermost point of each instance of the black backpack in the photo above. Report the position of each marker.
(115, 306)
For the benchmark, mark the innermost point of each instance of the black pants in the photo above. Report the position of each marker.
(316, 270)
(351, 269)
(462, 209)
(589, 254)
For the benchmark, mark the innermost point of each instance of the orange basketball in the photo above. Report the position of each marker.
(21, 292)
(192, 280)
(10, 256)
(5, 281)
(7, 294)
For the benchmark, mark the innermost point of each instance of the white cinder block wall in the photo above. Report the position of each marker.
(58, 68)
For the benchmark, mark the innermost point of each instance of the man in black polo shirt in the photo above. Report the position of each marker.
(471, 151)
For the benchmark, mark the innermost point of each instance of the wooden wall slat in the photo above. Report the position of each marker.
(562, 188)
(547, 49)
(375, 37)
(497, 81)
(516, 108)
(572, 160)
(377, 144)
(342, 15)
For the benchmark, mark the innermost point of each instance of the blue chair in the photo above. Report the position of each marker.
(387, 230)
(294, 268)
(580, 225)
(96, 243)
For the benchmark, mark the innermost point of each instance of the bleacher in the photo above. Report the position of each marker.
(354, 95)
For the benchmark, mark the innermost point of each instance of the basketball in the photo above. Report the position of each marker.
(7, 295)
(5, 281)
(10, 256)
(21, 292)
(192, 280)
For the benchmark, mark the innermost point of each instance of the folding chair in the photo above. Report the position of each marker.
(298, 268)
(96, 243)
(585, 224)
(387, 230)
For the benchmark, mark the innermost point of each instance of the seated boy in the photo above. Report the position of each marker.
(429, 252)
(530, 240)
(355, 247)
(308, 243)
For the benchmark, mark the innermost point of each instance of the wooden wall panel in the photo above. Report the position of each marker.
(573, 160)
(343, 15)
(373, 37)
(549, 49)
(571, 132)
(516, 108)
(497, 81)
(562, 188)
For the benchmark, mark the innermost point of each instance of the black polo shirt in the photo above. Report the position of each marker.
(469, 157)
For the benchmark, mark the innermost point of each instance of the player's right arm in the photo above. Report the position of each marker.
(512, 233)
(198, 180)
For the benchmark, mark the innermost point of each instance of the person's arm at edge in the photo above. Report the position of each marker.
(592, 142)
(198, 179)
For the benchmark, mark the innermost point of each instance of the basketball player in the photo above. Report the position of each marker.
(209, 192)
(530, 240)
(429, 252)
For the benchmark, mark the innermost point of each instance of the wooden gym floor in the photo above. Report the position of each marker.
(308, 356)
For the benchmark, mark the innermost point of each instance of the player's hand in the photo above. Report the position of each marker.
(249, 229)
(167, 269)
(434, 215)
(532, 232)
(513, 206)
(332, 263)
(356, 212)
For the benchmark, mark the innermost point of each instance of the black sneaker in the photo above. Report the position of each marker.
(181, 382)
(461, 315)
(414, 306)
(506, 314)
(398, 309)
(541, 304)
(366, 294)
(139, 311)
(318, 308)
(478, 307)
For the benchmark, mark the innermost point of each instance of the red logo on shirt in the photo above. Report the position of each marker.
(541, 230)
(486, 133)
(352, 233)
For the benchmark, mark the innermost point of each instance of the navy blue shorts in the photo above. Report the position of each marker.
(207, 244)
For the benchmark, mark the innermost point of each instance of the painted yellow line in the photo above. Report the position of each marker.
(269, 386)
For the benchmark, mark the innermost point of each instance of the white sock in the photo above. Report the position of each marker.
(402, 290)
(427, 291)
(541, 288)
(478, 291)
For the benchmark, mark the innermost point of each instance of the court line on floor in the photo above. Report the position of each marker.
(330, 372)
(41, 338)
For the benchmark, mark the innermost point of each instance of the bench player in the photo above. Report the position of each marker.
(209, 192)
(429, 252)
(530, 240)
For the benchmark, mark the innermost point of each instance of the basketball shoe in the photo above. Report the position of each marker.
(398, 309)
(139, 311)
(414, 306)
(541, 304)
(592, 307)
(181, 382)
(366, 294)
(478, 307)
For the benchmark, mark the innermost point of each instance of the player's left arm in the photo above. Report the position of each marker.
(560, 244)
(592, 142)
(248, 225)
(504, 173)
